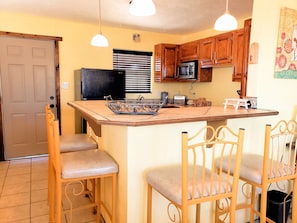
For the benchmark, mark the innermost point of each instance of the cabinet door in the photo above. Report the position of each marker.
(165, 60)
(169, 62)
(206, 51)
(157, 63)
(189, 51)
(238, 54)
(247, 31)
(223, 48)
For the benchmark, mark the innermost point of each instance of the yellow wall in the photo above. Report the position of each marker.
(76, 52)
(273, 93)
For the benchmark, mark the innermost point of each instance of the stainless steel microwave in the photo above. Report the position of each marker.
(187, 70)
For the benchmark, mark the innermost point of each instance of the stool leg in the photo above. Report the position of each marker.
(51, 193)
(252, 204)
(149, 203)
(114, 197)
(294, 202)
(58, 201)
(98, 198)
(198, 213)
(263, 205)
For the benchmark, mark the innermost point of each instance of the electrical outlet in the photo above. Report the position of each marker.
(65, 85)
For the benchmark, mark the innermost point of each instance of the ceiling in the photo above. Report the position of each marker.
(172, 16)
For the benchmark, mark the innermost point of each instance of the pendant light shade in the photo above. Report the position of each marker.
(142, 7)
(99, 40)
(226, 22)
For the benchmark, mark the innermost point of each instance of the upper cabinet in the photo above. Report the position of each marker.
(242, 57)
(227, 49)
(166, 56)
(206, 51)
(189, 51)
(238, 55)
(216, 50)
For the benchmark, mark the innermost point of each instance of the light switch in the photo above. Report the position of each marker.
(65, 85)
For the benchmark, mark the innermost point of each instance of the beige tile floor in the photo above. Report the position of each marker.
(23, 193)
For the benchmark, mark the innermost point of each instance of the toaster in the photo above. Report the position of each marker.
(179, 99)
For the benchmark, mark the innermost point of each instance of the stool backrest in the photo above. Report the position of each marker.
(207, 148)
(53, 136)
(280, 149)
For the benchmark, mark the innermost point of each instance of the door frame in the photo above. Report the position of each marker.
(57, 76)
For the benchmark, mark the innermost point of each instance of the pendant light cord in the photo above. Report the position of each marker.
(100, 17)
(227, 3)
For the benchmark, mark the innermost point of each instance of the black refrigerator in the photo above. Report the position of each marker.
(94, 84)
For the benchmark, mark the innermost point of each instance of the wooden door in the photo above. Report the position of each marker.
(27, 85)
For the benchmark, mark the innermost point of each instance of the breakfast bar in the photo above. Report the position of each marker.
(141, 142)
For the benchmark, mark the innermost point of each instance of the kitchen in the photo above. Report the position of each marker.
(271, 93)
(101, 57)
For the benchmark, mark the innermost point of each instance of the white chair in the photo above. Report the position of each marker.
(195, 180)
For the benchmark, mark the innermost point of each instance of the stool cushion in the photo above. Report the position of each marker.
(76, 142)
(87, 163)
(167, 181)
(251, 168)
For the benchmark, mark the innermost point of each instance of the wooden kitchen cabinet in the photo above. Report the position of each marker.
(238, 54)
(189, 51)
(216, 50)
(165, 60)
(241, 54)
(206, 51)
(223, 50)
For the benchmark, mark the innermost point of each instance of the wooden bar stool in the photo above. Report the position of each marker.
(196, 179)
(76, 167)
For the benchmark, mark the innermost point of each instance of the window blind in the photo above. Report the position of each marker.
(137, 65)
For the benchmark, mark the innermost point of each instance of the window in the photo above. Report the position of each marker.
(137, 65)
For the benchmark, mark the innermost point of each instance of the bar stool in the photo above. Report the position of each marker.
(278, 163)
(76, 142)
(70, 167)
(196, 180)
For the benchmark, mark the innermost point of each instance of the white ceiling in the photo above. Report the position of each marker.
(173, 16)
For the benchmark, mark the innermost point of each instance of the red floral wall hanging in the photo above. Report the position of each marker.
(286, 50)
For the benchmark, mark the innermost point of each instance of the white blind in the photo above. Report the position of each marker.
(137, 65)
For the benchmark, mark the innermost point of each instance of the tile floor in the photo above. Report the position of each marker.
(23, 193)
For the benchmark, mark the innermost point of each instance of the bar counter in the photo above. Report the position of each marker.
(141, 142)
(98, 112)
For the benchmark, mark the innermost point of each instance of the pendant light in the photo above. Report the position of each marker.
(99, 40)
(142, 7)
(226, 22)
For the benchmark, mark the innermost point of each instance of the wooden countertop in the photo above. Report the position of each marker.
(99, 113)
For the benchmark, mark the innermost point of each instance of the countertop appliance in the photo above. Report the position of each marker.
(94, 84)
(188, 70)
(179, 99)
(164, 96)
